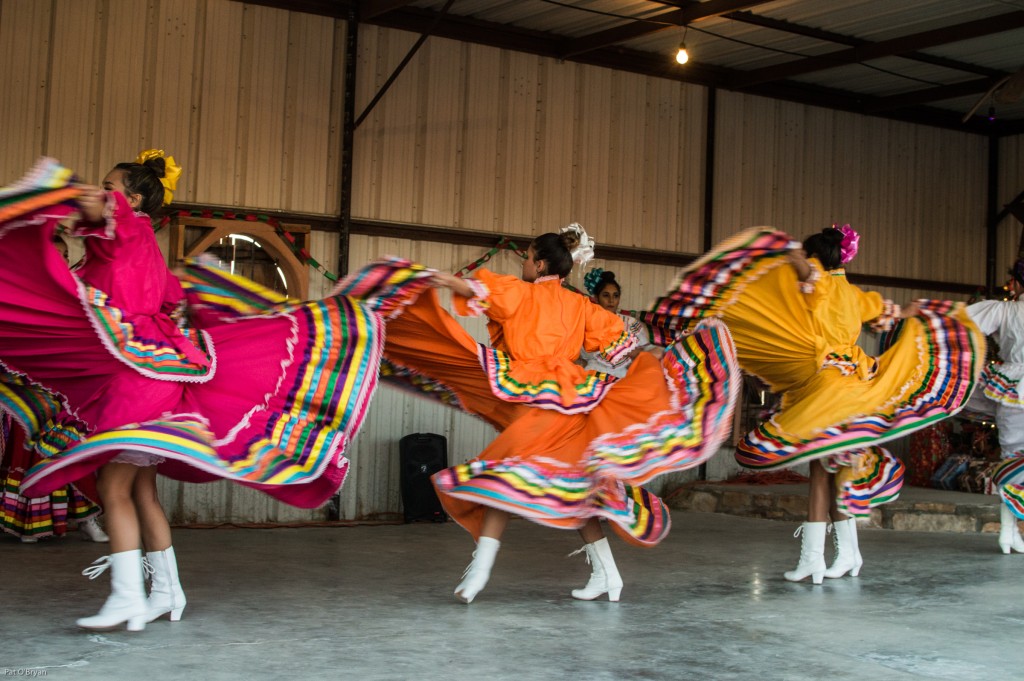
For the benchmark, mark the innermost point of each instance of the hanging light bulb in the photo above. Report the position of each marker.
(682, 56)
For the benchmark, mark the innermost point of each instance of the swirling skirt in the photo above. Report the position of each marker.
(562, 469)
(926, 373)
(291, 384)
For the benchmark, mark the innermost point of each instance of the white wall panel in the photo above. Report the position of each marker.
(1011, 185)
(245, 97)
(24, 35)
(916, 194)
(525, 144)
(373, 487)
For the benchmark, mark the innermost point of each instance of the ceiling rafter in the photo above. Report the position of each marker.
(935, 94)
(368, 9)
(852, 41)
(651, 64)
(338, 9)
(886, 48)
(673, 19)
(908, 106)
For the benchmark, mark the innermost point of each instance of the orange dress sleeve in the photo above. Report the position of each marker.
(606, 334)
(497, 295)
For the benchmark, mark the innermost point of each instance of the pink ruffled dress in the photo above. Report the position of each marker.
(100, 361)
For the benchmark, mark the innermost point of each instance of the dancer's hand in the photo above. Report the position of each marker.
(450, 281)
(798, 259)
(911, 310)
(91, 202)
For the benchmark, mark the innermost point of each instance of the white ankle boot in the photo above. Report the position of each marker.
(127, 600)
(604, 576)
(1009, 532)
(165, 594)
(92, 530)
(812, 553)
(847, 558)
(474, 579)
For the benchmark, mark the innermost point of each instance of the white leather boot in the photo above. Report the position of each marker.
(847, 558)
(812, 553)
(1009, 531)
(474, 579)
(165, 594)
(127, 600)
(604, 575)
(92, 531)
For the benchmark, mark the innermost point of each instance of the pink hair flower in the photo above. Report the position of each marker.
(848, 246)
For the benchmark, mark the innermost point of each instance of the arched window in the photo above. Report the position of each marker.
(250, 248)
(245, 255)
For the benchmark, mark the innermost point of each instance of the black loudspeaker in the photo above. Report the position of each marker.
(420, 456)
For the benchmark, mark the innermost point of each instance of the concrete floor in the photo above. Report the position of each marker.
(374, 602)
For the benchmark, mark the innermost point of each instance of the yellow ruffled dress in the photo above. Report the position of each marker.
(801, 339)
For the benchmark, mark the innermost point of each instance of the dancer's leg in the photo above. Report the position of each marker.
(604, 574)
(479, 571)
(847, 558)
(156, 531)
(820, 495)
(114, 485)
(592, 531)
(494, 524)
(127, 600)
(812, 546)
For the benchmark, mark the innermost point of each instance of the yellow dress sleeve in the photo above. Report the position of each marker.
(882, 313)
(871, 303)
(817, 288)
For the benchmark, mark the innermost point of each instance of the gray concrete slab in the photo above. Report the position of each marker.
(908, 494)
(375, 603)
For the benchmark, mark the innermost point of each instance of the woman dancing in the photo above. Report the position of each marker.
(573, 443)
(105, 373)
(1000, 396)
(605, 290)
(32, 519)
(795, 320)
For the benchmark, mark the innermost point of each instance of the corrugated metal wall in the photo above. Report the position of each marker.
(246, 98)
(1011, 185)
(249, 100)
(489, 140)
(916, 194)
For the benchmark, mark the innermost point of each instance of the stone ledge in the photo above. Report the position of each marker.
(917, 509)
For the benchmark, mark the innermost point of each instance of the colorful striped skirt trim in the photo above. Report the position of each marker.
(1008, 482)
(865, 479)
(552, 494)
(701, 370)
(947, 348)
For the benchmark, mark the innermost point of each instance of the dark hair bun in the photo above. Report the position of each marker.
(832, 235)
(157, 165)
(607, 276)
(570, 239)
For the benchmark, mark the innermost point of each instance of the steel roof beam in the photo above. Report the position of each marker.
(673, 19)
(886, 48)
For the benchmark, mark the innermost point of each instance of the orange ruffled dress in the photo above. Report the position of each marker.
(573, 444)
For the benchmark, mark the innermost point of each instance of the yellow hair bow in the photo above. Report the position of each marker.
(172, 171)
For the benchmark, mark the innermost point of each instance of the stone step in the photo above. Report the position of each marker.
(918, 509)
